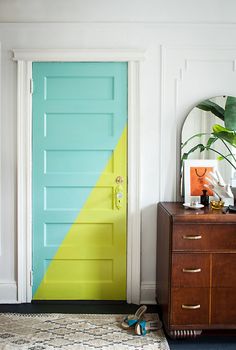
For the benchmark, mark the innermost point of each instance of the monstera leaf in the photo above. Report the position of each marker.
(230, 113)
(212, 107)
(224, 134)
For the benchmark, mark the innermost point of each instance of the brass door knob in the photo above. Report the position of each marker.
(119, 179)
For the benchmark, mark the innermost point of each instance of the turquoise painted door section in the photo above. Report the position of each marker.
(79, 149)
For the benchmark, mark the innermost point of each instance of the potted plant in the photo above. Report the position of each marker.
(226, 134)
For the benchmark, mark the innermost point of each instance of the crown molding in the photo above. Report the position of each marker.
(70, 55)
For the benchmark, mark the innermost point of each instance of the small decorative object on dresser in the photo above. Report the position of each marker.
(196, 264)
(216, 183)
(204, 198)
(196, 171)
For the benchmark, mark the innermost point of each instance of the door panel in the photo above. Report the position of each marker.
(79, 148)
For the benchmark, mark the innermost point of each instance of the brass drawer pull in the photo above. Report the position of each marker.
(192, 270)
(192, 237)
(191, 307)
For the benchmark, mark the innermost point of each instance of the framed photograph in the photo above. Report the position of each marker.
(195, 173)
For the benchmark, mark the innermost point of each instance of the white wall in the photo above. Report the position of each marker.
(190, 56)
(117, 11)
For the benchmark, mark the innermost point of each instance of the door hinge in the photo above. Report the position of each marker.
(31, 86)
(31, 278)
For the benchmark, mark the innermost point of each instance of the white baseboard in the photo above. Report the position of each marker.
(148, 293)
(8, 292)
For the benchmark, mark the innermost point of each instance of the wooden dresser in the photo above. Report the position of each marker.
(196, 269)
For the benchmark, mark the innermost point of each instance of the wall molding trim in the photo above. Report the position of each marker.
(158, 23)
(24, 60)
(181, 67)
(148, 293)
(8, 292)
(88, 55)
(0, 156)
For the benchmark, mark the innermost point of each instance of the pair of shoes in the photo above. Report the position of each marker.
(131, 320)
(142, 326)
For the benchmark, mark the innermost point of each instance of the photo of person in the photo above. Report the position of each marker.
(197, 180)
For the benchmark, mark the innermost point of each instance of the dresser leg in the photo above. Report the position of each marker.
(184, 333)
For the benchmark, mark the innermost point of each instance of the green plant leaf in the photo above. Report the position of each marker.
(192, 137)
(210, 141)
(199, 146)
(212, 107)
(230, 113)
(224, 134)
(224, 157)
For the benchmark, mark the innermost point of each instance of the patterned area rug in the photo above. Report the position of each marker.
(74, 332)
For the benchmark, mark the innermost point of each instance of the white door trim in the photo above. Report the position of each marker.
(24, 58)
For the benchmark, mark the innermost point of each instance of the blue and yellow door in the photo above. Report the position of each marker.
(79, 180)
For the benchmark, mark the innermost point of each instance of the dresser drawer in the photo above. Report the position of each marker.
(223, 306)
(204, 237)
(196, 269)
(189, 306)
(190, 270)
(224, 270)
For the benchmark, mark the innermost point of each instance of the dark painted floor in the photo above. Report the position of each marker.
(218, 340)
(205, 343)
(81, 307)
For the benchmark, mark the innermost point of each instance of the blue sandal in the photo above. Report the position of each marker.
(131, 320)
(142, 326)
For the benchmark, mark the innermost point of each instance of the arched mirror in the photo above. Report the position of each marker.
(209, 133)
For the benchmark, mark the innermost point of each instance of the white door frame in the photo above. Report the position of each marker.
(24, 58)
